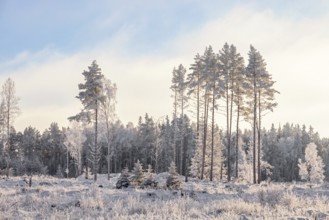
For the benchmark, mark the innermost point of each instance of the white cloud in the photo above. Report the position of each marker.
(295, 51)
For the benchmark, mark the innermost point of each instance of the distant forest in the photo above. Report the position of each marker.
(98, 142)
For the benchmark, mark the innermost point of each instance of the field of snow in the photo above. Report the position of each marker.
(52, 198)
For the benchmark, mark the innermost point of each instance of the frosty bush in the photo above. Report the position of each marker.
(173, 181)
(123, 180)
(270, 197)
(312, 170)
(149, 178)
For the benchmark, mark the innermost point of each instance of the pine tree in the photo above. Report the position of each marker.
(226, 69)
(262, 92)
(209, 69)
(91, 97)
(239, 90)
(194, 89)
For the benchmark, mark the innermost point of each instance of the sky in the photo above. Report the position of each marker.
(46, 45)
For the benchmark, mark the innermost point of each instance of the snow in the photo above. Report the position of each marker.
(53, 198)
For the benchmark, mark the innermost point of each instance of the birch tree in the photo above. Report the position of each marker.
(108, 116)
(74, 139)
(10, 108)
(312, 169)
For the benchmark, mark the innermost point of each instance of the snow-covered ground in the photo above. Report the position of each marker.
(52, 198)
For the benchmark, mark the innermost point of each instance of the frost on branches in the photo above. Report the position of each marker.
(138, 177)
(173, 181)
(312, 170)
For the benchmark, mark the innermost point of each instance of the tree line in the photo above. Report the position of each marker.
(217, 84)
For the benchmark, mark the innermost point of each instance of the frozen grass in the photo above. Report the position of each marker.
(52, 198)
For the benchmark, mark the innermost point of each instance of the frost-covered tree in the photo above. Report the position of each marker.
(52, 148)
(123, 180)
(194, 89)
(149, 180)
(107, 109)
(209, 69)
(262, 96)
(312, 169)
(9, 109)
(173, 181)
(74, 140)
(59, 172)
(239, 91)
(210, 167)
(179, 88)
(91, 97)
(149, 173)
(138, 173)
(146, 141)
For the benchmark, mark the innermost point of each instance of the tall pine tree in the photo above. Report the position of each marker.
(91, 97)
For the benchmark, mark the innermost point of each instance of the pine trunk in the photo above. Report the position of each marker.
(95, 147)
(228, 136)
(231, 119)
(182, 135)
(259, 138)
(254, 130)
(175, 128)
(204, 134)
(108, 149)
(185, 159)
(212, 134)
(237, 139)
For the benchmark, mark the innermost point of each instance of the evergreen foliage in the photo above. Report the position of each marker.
(173, 181)
(149, 180)
(138, 174)
(123, 180)
(91, 96)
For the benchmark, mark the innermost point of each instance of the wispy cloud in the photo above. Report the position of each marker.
(294, 48)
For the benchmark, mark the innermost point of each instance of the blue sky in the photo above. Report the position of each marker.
(70, 26)
(45, 46)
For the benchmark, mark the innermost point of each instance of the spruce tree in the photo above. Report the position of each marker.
(138, 177)
(173, 181)
(123, 180)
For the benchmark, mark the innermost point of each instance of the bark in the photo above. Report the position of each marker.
(204, 134)
(175, 128)
(259, 136)
(182, 134)
(254, 129)
(228, 135)
(95, 146)
(212, 134)
(185, 159)
(237, 139)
